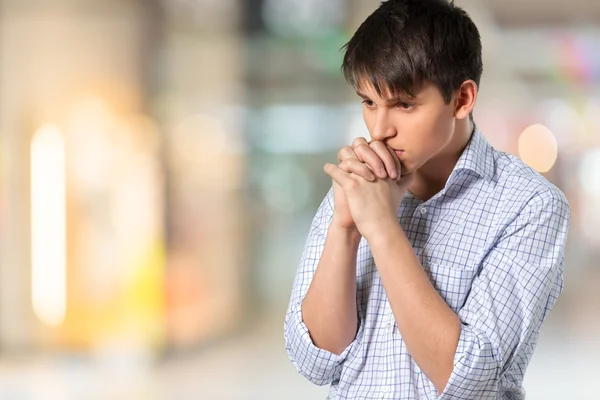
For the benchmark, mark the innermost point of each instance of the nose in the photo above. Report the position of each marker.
(383, 128)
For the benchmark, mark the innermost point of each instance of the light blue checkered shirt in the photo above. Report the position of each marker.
(492, 243)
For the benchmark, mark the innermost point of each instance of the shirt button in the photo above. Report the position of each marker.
(423, 211)
(385, 389)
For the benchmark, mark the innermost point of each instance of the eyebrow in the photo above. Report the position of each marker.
(394, 100)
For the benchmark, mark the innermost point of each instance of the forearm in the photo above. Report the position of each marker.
(428, 326)
(329, 308)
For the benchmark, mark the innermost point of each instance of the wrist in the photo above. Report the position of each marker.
(383, 231)
(349, 233)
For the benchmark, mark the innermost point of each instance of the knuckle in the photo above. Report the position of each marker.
(375, 143)
(361, 148)
(358, 141)
(354, 161)
(345, 152)
(346, 166)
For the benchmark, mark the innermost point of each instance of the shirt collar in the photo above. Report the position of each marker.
(477, 157)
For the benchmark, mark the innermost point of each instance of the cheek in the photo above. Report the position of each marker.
(441, 126)
(435, 135)
(368, 119)
(445, 125)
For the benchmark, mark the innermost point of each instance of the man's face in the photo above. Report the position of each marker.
(419, 128)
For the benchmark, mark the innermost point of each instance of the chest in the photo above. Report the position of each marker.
(450, 238)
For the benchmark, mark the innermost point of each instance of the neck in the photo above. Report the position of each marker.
(432, 177)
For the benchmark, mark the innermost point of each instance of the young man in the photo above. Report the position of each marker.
(433, 261)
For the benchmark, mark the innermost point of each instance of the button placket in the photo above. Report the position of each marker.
(391, 326)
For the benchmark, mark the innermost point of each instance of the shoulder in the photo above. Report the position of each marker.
(518, 187)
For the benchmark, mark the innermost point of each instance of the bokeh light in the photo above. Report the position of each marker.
(538, 148)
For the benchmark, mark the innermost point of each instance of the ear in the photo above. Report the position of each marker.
(465, 99)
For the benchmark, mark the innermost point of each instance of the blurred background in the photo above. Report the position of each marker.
(161, 161)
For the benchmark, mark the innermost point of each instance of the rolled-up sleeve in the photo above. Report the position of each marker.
(317, 365)
(519, 282)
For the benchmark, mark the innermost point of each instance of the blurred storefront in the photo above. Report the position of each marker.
(122, 177)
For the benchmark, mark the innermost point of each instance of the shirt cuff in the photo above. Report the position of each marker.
(476, 368)
(317, 365)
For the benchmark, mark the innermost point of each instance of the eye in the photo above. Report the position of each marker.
(368, 103)
(406, 106)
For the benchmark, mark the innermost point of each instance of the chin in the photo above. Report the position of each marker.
(411, 166)
(407, 169)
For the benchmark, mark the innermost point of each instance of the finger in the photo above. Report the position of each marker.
(397, 162)
(361, 169)
(367, 155)
(336, 173)
(381, 149)
(346, 153)
(358, 141)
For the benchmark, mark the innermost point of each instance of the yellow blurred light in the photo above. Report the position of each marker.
(538, 148)
(92, 133)
(48, 225)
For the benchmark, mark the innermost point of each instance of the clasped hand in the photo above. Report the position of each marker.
(368, 187)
